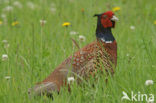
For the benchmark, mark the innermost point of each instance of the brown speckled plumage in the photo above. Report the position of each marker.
(86, 61)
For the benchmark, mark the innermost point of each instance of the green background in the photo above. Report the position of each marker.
(36, 50)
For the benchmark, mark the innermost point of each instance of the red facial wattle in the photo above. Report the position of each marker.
(106, 19)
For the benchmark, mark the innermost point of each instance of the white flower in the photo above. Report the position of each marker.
(52, 9)
(7, 77)
(6, 44)
(132, 27)
(4, 57)
(149, 82)
(17, 4)
(70, 79)
(82, 38)
(73, 33)
(31, 5)
(42, 22)
(8, 8)
(3, 16)
(4, 41)
(127, 54)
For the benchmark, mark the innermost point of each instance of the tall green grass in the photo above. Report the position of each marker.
(36, 50)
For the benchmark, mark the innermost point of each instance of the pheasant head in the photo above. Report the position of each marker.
(107, 19)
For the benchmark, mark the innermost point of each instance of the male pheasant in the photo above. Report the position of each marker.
(99, 54)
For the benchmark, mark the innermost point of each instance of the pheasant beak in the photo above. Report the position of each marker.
(114, 18)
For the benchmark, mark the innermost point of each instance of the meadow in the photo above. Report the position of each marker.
(33, 42)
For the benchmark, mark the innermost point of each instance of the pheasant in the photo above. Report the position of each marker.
(102, 53)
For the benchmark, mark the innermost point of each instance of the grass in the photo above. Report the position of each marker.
(36, 50)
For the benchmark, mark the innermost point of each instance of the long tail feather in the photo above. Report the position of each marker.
(44, 88)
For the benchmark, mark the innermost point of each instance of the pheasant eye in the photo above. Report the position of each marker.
(105, 16)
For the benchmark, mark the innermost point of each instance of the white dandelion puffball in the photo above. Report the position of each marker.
(127, 54)
(149, 82)
(6, 44)
(7, 77)
(8, 8)
(53, 9)
(4, 57)
(4, 41)
(43, 22)
(3, 16)
(17, 4)
(73, 33)
(70, 79)
(82, 38)
(132, 27)
(31, 5)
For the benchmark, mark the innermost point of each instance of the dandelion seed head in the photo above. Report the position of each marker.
(17, 4)
(4, 57)
(7, 77)
(4, 41)
(73, 33)
(31, 5)
(149, 82)
(132, 27)
(6, 44)
(70, 79)
(7, 9)
(43, 22)
(127, 54)
(53, 10)
(3, 16)
(82, 38)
